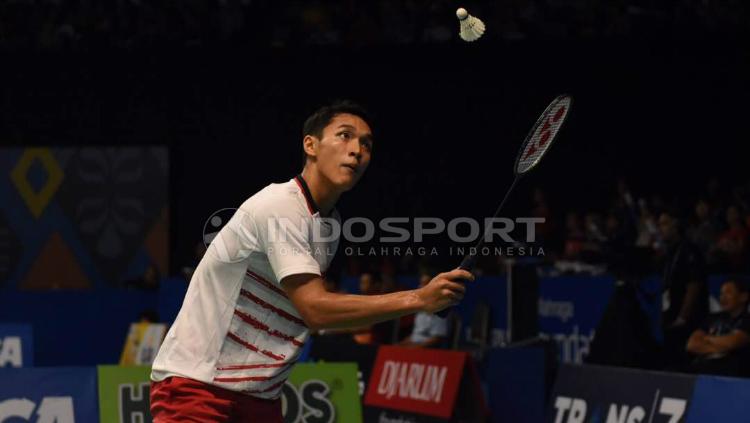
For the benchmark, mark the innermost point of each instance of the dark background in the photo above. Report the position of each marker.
(665, 115)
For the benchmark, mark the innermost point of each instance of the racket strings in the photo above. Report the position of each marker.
(543, 135)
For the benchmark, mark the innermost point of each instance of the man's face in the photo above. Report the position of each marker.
(731, 298)
(343, 152)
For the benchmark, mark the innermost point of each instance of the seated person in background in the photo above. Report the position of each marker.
(721, 343)
(430, 330)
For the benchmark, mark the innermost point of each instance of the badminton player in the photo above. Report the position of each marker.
(256, 293)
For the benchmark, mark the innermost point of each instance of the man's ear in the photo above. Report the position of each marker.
(310, 145)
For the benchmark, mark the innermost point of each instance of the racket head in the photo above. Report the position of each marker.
(542, 134)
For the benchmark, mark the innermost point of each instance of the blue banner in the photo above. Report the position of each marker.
(491, 291)
(46, 395)
(16, 345)
(570, 308)
(64, 322)
(720, 399)
(516, 386)
(594, 394)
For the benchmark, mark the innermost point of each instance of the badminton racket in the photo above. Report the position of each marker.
(537, 143)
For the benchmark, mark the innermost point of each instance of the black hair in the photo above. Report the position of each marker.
(317, 121)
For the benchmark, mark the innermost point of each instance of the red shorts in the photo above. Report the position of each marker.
(177, 399)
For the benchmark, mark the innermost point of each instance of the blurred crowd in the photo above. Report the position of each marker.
(135, 23)
(715, 222)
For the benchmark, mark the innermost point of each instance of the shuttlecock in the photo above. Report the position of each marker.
(471, 27)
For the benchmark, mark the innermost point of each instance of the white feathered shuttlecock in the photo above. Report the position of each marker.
(471, 27)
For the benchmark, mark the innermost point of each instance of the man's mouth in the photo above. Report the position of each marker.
(352, 167)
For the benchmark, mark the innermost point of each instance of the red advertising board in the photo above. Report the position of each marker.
(422, 381)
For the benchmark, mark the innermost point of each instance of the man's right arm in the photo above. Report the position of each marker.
(321, 309)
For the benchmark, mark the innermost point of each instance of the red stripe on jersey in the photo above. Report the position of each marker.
(243, 379)
(266, 283)
(253, 378)
(253, 366)
(270, 388)
(250, 320)
(252, 347)
(247, 294)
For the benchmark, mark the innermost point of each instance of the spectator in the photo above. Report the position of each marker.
(648, 229)
(731, 244)
(625, 208)
(540, 209)
(684, 288)
(430, 330)
(574, 237)
(703, 232)
(64, 23)
(594, 234)
(617, 235)
(721, 343)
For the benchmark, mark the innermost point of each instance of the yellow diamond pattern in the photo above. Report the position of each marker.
(37, 201)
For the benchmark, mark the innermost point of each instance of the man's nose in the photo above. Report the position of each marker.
(355, 149)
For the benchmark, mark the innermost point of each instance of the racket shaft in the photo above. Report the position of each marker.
(470, 260)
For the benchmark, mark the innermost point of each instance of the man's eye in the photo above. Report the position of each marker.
(345, 135)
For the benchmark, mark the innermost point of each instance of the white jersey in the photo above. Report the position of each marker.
(236, 328)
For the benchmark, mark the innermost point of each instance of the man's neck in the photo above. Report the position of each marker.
(324, 194)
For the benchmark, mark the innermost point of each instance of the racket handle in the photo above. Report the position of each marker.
(466, 264)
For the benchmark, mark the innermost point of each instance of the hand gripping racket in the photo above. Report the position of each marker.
(537, 142)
